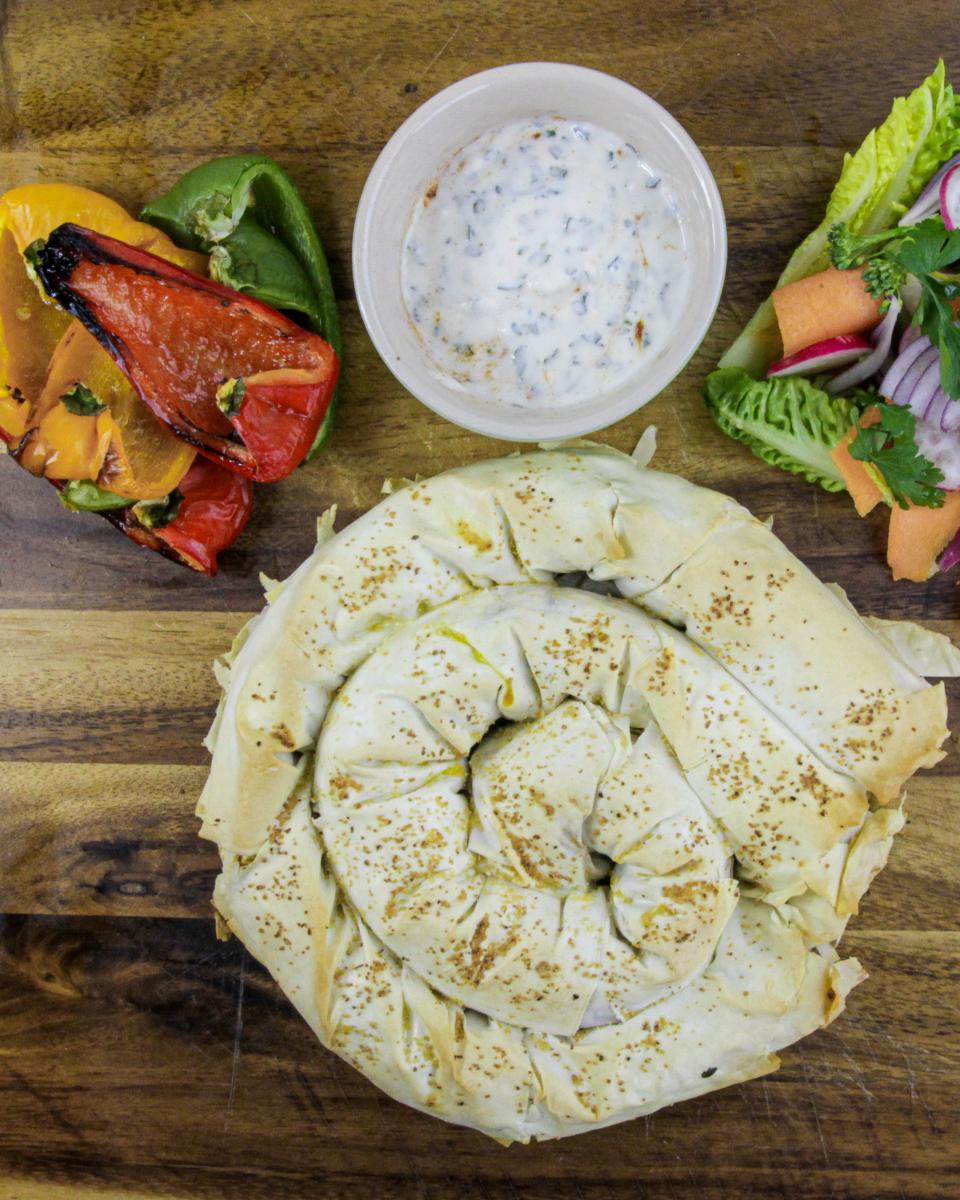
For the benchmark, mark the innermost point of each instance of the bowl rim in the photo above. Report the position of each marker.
(565, 421)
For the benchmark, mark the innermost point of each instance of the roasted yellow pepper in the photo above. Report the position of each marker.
(44, 352)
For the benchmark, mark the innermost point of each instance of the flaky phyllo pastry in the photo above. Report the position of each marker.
(545, 788)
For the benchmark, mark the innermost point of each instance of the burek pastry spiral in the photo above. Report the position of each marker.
(545, 788)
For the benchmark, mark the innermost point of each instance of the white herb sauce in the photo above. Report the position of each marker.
(545, 265)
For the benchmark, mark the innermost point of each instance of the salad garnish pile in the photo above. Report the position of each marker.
(849, 373)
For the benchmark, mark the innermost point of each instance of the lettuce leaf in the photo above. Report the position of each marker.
(877, 185)
(787, 422)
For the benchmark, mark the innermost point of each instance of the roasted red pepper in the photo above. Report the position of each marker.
(240, 381)
(211, 508)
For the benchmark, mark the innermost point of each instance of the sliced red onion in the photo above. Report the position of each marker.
(881, 338)
(902, 364)
(949, 413)
(928, 202)
(910, 334)
(822, 356)
(950, 198)
(944, 412)
(942, 449)
(951, 556)
(917, 214)
(918, 387)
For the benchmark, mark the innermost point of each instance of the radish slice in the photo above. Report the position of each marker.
(928, 201)
(822, 356)
(902, 364)
(881, 338)
(950, 198)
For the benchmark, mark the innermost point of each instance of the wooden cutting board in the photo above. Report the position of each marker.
(139, 1056)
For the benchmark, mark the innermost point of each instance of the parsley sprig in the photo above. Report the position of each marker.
(926, 251)
(891, 445)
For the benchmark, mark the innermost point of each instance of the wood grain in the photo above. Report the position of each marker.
(149, 1007)
(111, 687)
(102, 839)
(139, 1056)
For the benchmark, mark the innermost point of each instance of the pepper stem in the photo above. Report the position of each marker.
(81, 401)
(230, 395)
(31, 257)
(155, 514)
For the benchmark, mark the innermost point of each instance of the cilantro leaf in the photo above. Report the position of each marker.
(927, 247)
(925, 251)
(936, 316)
(891, 445)
(864, 397)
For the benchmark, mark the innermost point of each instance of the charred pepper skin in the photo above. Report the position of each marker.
(122, 295)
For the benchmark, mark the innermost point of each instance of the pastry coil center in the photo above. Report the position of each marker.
(499, 804)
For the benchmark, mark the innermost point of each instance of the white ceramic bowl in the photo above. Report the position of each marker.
(437, 130)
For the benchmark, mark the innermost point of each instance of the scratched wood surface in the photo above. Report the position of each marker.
(139, 1057)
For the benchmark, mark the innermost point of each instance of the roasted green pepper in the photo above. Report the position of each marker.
(245, 212)
(83, 495)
